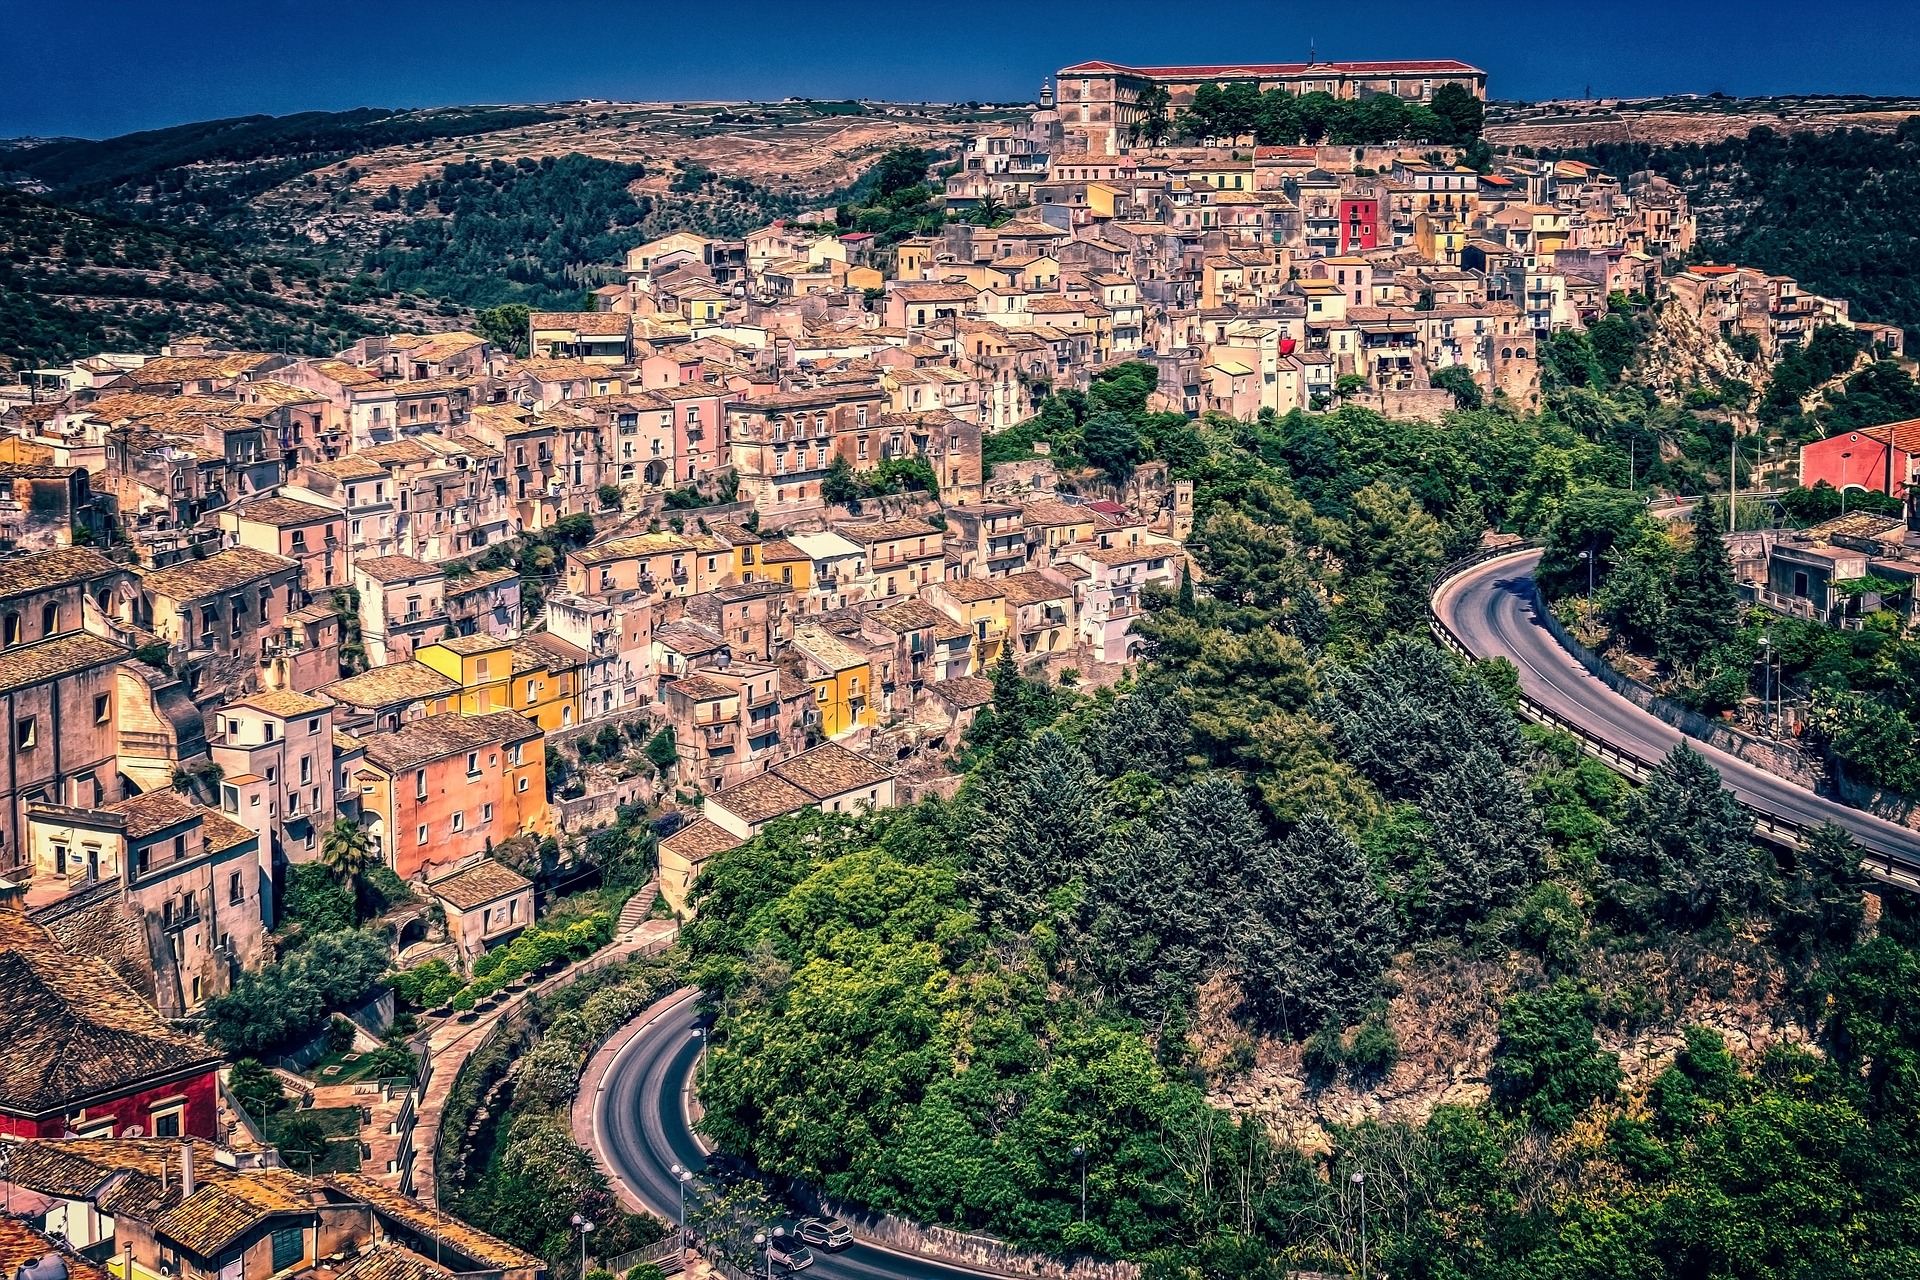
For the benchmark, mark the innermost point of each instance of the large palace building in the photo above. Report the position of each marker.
(1097, 100)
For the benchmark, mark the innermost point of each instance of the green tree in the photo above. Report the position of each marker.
(1547, 1065)
(1706, 598)
(1459, 381)
(1683, 852)
(346, 852)
(505, 326)
(316, 900)
(257, 1088)
(1320, 935)
(1464, 114)
(662, 752)
(1112, 443)
(1821, 906)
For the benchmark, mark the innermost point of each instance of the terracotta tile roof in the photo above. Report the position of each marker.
(483, 882)
(780, 551)
(54, 657)
(222, 571)
(543, 648)
(964, 692)
(389, 1261)
(479, 581)
(761, 798)
(827, 649)
(1126, 555)
(470, 1242)
(154, 812)
(910, 616)
(598, 323)
(351, 467)
(280, 512)
(284, 703)
(55, 1169)
(437, 737)
(478, 642)
(884, 530)
(222, 833)
(830, 770)
(702, 688)
(385, 686)
(56, 568)
(214, 1215)
(1032, 588)
(699, 840)
(385, 569)
(689, 637)
(21, 1245)
(972, 590)
(75, 1031)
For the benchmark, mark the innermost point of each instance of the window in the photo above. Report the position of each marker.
(306, 770)
(473, 767)
(236, 890)
(521, 785)
(166, 1124)
(49, 619)
(25, 733)
(229, 798)
(420, 784)
(102, 708)
(486, 813)
(459, 822)
(12, 629)
(289, 1244)
(420, 835)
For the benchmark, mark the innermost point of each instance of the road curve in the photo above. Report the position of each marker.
(1489, 607)
(641, 1129)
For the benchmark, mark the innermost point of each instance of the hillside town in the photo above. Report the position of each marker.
(725, 544)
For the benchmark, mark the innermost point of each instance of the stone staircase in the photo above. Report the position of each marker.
(634, 914)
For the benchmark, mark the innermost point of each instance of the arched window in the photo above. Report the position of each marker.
(10, 630)
(1520, 353)
(1506, 353)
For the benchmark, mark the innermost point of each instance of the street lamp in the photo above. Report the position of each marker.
(1766, 682)
(583, 1226)
(766, 1239)
(1080, 1154)
(681, 1177)
(1360, 1180)
(1588, 557)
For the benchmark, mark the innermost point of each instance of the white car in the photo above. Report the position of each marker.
(790, 1254)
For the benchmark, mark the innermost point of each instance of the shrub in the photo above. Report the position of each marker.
(1374, 1050)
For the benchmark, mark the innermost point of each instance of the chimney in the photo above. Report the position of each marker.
(186, 1170)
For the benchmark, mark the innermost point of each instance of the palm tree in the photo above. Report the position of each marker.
(989, 212)
(346, 852)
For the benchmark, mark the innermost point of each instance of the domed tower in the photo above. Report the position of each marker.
(1046, 94)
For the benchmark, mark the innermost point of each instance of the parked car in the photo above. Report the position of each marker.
(830, 1234)
(790, 1254)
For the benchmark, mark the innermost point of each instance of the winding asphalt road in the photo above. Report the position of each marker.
(1489, 607)
(642, 1129)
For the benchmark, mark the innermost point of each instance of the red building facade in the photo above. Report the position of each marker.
(1881, 459)
(1359, 223)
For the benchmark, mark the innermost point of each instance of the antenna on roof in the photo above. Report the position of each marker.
(1313, 54)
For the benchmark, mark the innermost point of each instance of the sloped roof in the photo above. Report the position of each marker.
(56, 568)
(485, 881)
(75, 1030)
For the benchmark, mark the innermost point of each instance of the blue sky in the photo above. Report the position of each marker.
(98, 67)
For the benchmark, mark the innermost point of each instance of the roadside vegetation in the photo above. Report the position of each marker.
(1300, 821)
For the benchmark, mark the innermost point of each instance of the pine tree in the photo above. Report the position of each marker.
(1038, 821)
(1147, 925)
(1706, 599)
(1319, 936)
(1213, 835)
(1683, 852)
(1822, 904)
(1486, 841)
(1147, 731)
(1409, 712)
